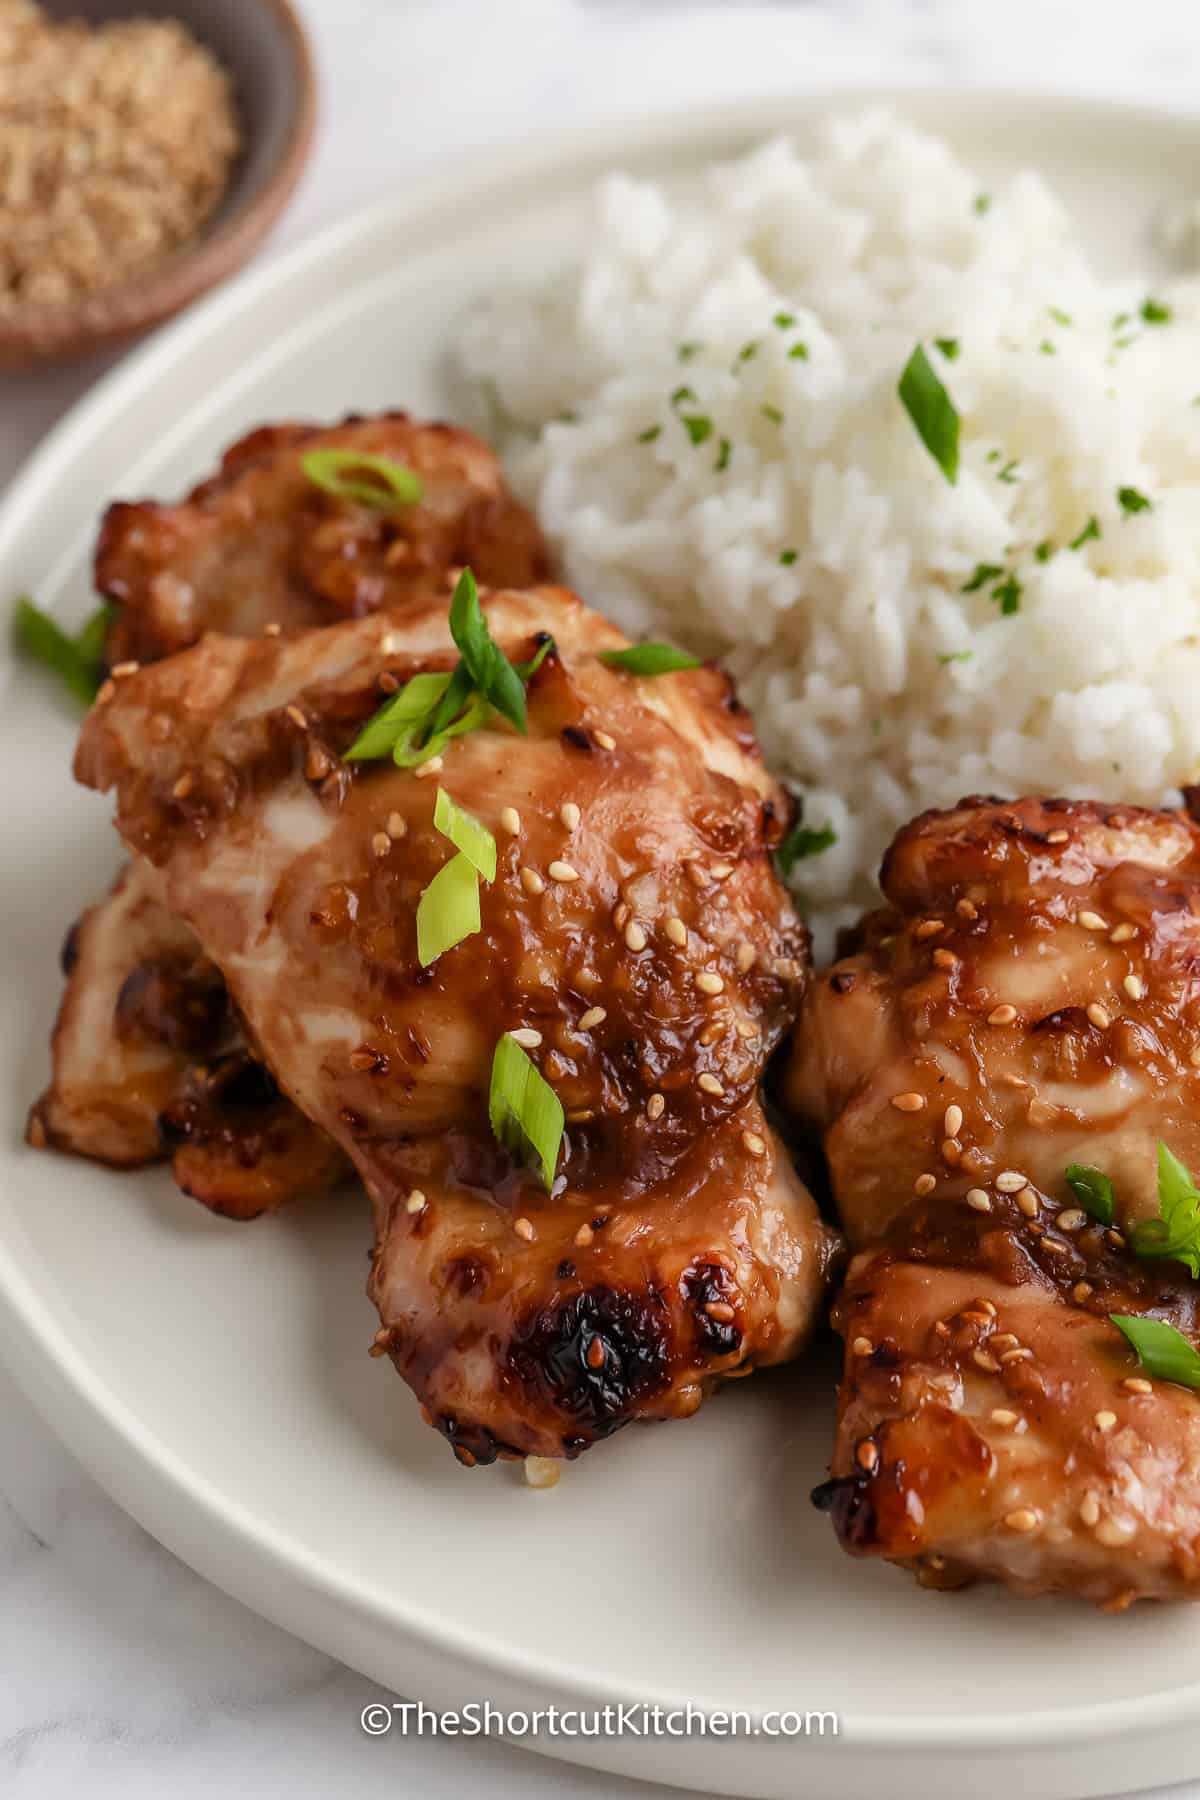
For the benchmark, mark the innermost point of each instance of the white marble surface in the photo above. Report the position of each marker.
(121, 1673)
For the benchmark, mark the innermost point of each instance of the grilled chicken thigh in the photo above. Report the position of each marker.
(1028, 999)
(259, 546)
(635, 936)
(256, 546)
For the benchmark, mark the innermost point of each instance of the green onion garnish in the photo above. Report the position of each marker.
(526, 1114)
(1044, 551)
(773, 413)
(981, 203)
(932, 411)
(1154, 312)
(448, 910)
(359, 475)
(75, 660)
(1131, 501)
(493, 675)
(466, 833)
(1176, 1231)
(799, 351)
(788, 557)
(697, 426)
(648, 436)
(724, 452)
(1008, 474)
(955, 656)
(801, 843)
(1091, 530)
(1008, 596)
(1162, 1351)
(409, 708)
(649, 659)
(984, 572)
(948, 347)
(783, 321)
(1059, 316)
(1093, 1190)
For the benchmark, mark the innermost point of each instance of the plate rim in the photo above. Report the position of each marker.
(59, 1384)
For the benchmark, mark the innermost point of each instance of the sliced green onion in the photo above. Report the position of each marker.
(410, 707)
(649, 659)
(948, 347)
(76, 661)
(525, 1112)
(1155, 313)
(1175, 1234)
(1091, 530)
(697, 426)
(1131, 501)
(360, 475)
(415, 748)
(466, 833)
(800, 843)
(1093, 1190)
(984, 572)
(1162, 1351)
(932, 411)
(448, 910)
(489, 668)
(527, 670)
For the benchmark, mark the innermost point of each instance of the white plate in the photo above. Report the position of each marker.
(214, 1376)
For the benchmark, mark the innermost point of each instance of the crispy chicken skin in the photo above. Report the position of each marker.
(1028, 998)
(150, 1060)
(643, 937)
(258, 544)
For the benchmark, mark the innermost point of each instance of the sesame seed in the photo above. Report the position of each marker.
(570, 815)
(941, 1328)
(397, 826)
(1083, 1290)
(1115, 1238)
(676, 930)
(787, 968)
(1121, 934)
(541, 1472)
(1000, 1415)
(1137, 1384)
(581, 1116)
(721, 871)
(297, 717)
(977, 1199)
(929, 928)
(1009, 1182)
(952, 1123)
(415, 1201)
(1057, 837)
(1002, 1015)
(747, 956)
(595, 1015)
(105, 692)
(951, 1151)
(1104, 1421)
(1134, 987)
(747, 1029)
(524, 1229)
(1073, 1219)
(605, 740)
(867, 1456)
(1093, 922)
(721, 1311)
(754, 1144)
(1114, 1532)
(697, 874)
(527, 1037)
(562, 871)
(1022, 1519)
(1194, 1057)
(966, 909)
(184, 786)
(121, 669)
(622, 912)
(655, 1106)
(635, 937)
(983, 1361)
(532, 882)
(709, 982)
(1023, 1355)
(924, 1184)
(710, 1084)
(381, 843)
(584, 1236)
(364, 1058)
(433, 766)
(945, 959)
(1004, 1340)
(908, 1103)
(317, 763)
(985, 1306)
(1089, 1510)
(862, 1346)
(1098, 1016)
(510, 820)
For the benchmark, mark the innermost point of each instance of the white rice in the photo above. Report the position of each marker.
(878, 686)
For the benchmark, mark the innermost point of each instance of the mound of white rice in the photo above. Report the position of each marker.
(706, 419)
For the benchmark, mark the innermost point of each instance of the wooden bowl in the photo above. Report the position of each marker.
(263, 45)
